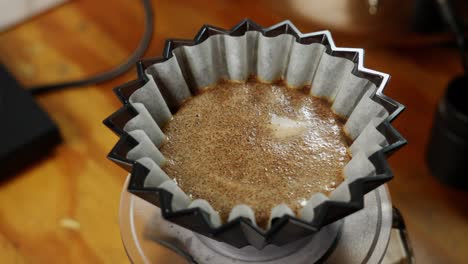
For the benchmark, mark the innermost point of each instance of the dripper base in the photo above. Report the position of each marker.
(362, 238)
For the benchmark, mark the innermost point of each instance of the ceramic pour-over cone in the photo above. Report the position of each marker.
(278, 52)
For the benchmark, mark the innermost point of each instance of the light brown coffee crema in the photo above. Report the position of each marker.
(256, 144)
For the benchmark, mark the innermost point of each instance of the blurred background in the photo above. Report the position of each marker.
(59, 201)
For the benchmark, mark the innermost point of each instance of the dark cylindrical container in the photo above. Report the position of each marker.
(447, 153)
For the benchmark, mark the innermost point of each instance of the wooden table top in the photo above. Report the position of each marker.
(64, 209)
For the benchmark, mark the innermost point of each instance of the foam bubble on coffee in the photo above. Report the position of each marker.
(283, 127)
(256, 144)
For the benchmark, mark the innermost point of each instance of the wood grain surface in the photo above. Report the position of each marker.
(64, 208)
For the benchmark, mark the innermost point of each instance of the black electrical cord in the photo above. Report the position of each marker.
(113, 73)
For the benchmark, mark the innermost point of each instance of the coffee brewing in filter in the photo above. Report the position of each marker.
(278, 52)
